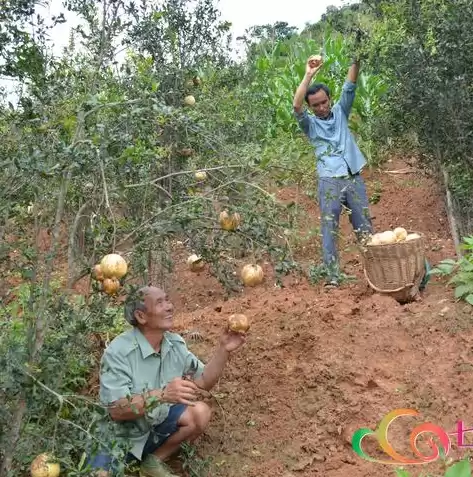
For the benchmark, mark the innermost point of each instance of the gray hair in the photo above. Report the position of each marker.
(135, 303)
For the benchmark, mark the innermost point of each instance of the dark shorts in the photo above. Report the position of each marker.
(156, 439)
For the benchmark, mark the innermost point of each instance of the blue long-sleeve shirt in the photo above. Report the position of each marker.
(334, 145)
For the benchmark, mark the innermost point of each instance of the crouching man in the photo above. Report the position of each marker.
(144, 382)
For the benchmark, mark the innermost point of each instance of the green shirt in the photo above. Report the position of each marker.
(131, 366)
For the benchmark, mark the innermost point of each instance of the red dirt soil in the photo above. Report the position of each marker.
(319, 364)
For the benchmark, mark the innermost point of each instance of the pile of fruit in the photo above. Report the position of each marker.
(399, 234)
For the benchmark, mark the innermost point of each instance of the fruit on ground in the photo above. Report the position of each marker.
(113, 266)
(229, 222)
(195, 263)
(111, 286)
(252, 275)
(238, 323)
(43, 466)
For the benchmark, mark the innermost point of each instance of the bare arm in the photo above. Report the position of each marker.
(353, 71)
(129, 409)
(213, 369)
(314, 63)
(298, 102)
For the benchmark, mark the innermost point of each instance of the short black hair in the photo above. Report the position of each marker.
(314, 88)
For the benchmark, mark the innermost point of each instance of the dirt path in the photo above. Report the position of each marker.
(318, 365)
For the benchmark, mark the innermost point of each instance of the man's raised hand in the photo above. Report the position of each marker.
(314, 63)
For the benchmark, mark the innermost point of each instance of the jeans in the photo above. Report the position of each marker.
(156, 439)
(333, 194)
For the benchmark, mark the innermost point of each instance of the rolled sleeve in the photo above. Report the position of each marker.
(304, 121)
(115, 378)
(347, 97)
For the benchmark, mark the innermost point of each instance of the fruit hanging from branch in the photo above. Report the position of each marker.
(186, 152)
(111, 286)
(113, 266)
(189, 100)
(238, 323)
(195, 263)
(44, 466)
(228, 222)
(252, 275)
(201, 176)
(97, 273)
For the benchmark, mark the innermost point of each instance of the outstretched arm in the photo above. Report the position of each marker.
(353, 71)
(314, 63)
(348, 91)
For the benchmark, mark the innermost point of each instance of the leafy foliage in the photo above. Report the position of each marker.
(461, 272)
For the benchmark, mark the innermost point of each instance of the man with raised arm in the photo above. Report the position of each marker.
(339, 160)
(151, 382)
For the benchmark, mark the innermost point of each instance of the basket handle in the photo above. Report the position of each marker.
(375, 288)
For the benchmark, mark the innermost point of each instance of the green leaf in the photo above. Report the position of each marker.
(469, 299)
(459, 469)
(463, 290)
(402, 473)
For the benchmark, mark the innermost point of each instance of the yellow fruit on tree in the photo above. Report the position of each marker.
(201, 175)
(97, 273)
(252, 275)
(111, 286)
(113, 266)
(189, 100)
(44, 466)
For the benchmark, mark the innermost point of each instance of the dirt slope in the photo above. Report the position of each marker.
(318, 364)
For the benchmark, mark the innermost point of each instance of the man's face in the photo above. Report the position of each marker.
(319, 103)
(158, 314)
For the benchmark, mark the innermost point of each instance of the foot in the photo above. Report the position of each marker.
(331, 283)
(153, 467)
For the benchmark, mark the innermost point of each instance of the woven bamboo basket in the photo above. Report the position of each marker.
(395, 269)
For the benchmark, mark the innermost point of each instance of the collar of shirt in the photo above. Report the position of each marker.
(145, 347)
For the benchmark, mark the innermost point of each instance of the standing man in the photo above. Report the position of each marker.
(150, 382)
(339, 160)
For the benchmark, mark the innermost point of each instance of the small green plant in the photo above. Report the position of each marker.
(192, 463)
(461, 272)
(318, 273)
(461, 468)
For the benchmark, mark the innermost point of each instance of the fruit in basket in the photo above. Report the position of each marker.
(412, 236)
(374, 240)
(387, 237)
(400, 233)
